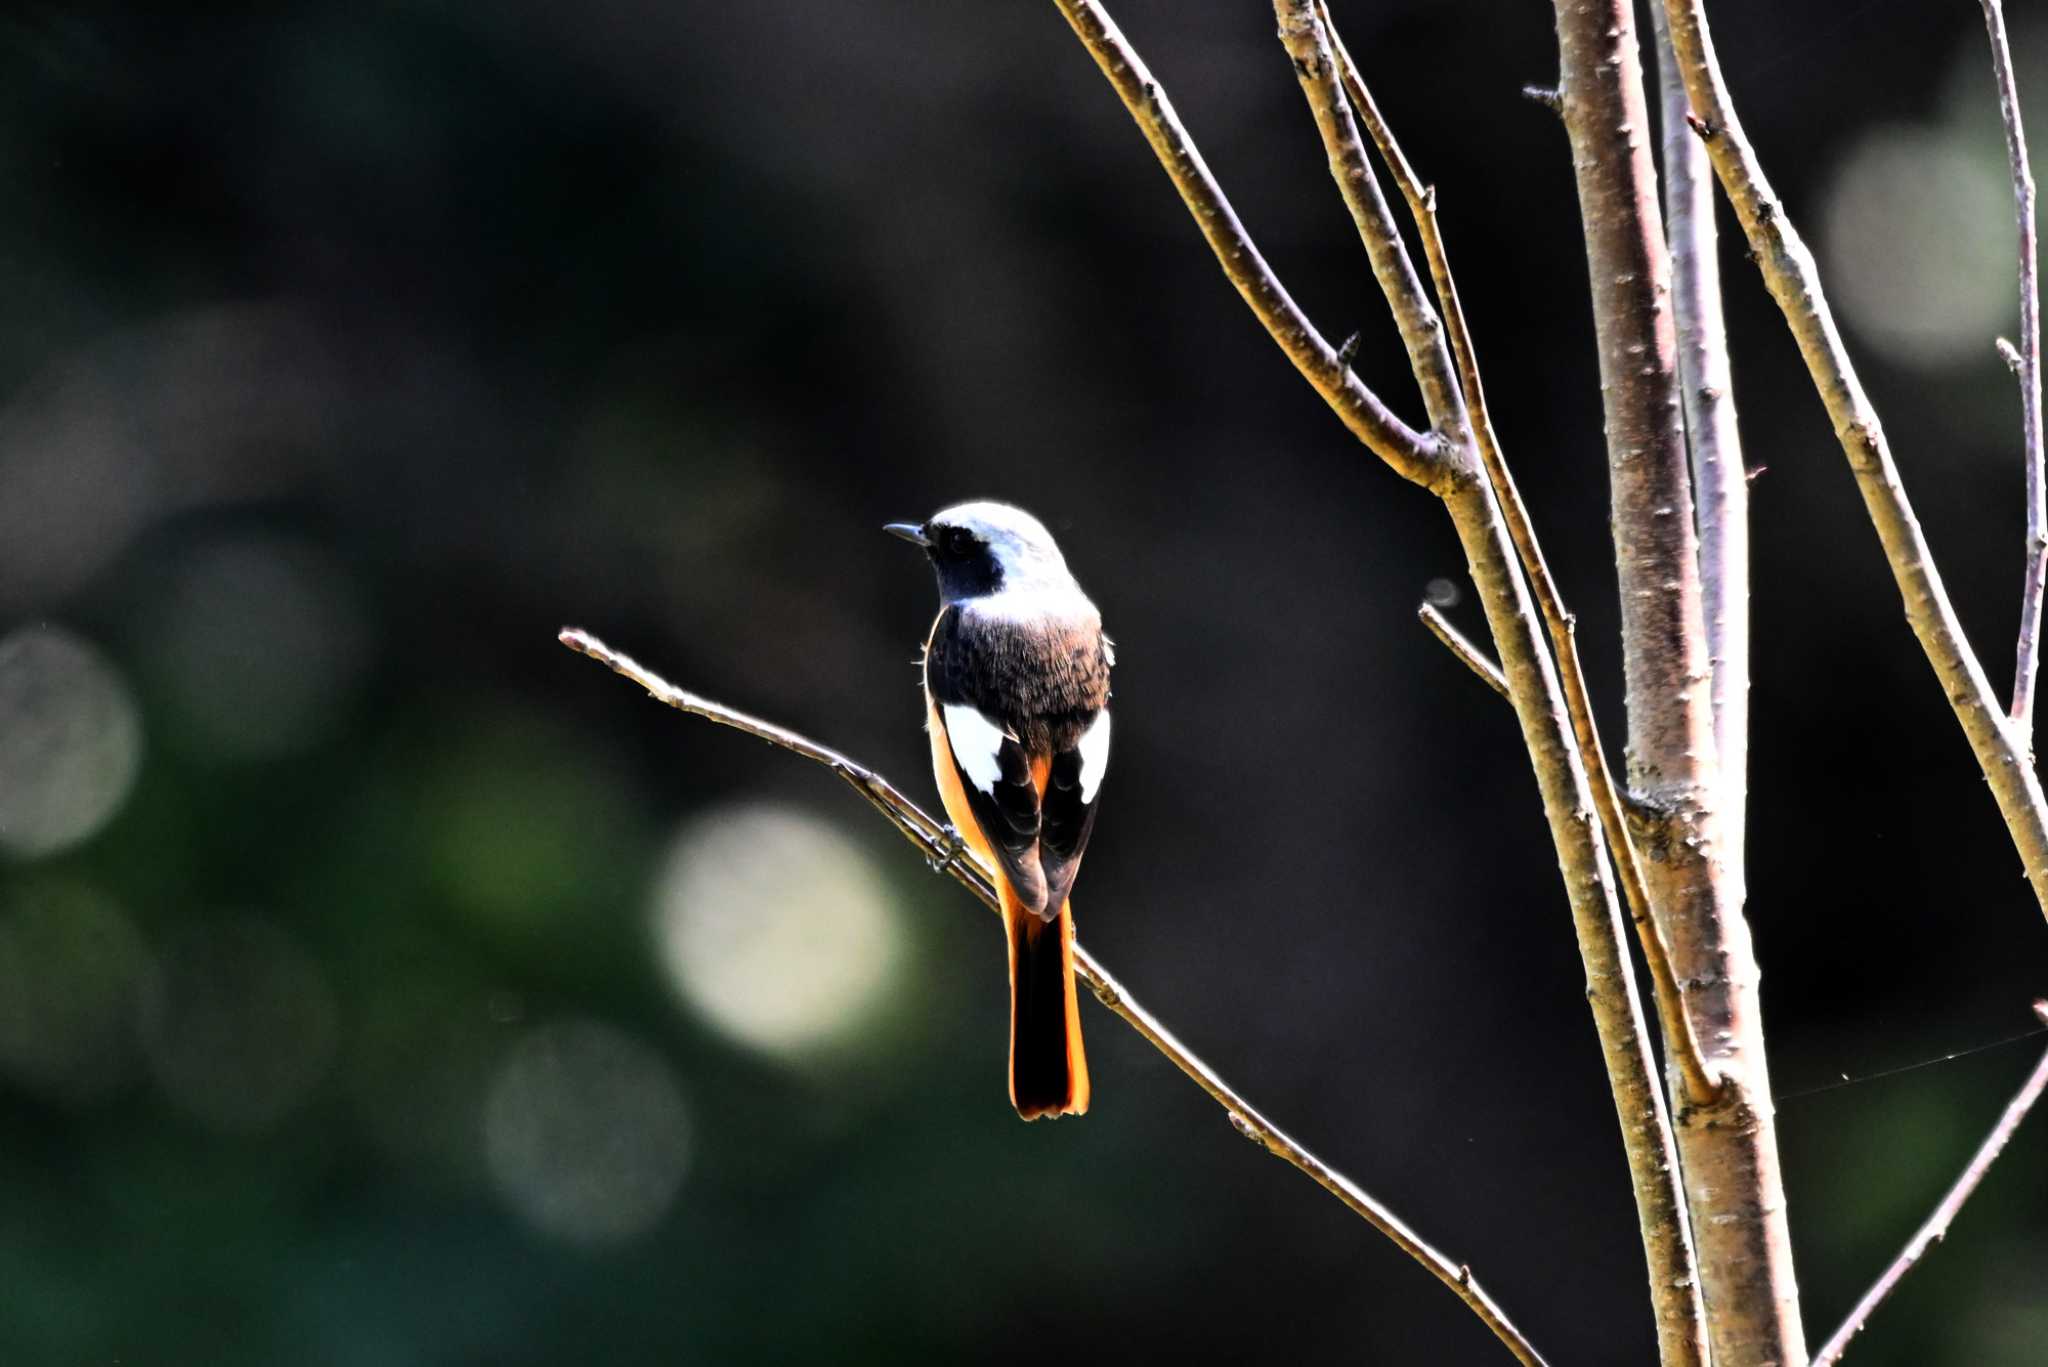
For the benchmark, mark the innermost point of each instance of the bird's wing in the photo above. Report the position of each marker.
(991, 770)
(1067, 807)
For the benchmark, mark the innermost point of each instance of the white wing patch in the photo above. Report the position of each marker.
(977, 745)
(1094, 748)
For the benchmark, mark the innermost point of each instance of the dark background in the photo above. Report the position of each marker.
(382, 984)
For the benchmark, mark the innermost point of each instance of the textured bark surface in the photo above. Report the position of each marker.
(1670, 745)
(1728, 1148)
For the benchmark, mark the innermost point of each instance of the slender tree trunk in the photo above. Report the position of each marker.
(1728, 1148)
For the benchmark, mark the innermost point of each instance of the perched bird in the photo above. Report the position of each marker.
(1016, 684)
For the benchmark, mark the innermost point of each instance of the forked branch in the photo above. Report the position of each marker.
(943, 853)
(1679, 1037)
(1426, 459)
(1306, 34)
(1944, 1215)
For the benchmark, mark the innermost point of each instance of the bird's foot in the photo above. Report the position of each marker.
(954, 846)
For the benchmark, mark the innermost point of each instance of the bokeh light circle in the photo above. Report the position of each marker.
(1917, 230)
(70, 741)
(586, 1133)
(775, 926)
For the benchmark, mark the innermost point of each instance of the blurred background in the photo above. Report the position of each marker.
(382, 984)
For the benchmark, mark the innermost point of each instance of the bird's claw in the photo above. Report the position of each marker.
(954, 847)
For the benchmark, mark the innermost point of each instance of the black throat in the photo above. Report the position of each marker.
(972, 574)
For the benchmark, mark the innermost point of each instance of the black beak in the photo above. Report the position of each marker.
(913, 532)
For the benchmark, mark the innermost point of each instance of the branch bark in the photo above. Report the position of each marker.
(1794, 282)
(932, 838)
(1936, 1228)
(2027, 662)
(1728, 1146)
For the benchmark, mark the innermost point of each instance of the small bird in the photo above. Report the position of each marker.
(1016, 684)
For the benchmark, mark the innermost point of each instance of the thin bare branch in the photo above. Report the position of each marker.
(1789, 272)
(1944, 1215)
(1469, 655)
(1425, 459)
(2027, 666)
(933, 839)
(1307, 38)
(1680, 1039)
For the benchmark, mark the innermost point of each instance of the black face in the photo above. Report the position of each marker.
(966, 566)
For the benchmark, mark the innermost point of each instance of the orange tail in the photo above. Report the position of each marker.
(1048, 1068)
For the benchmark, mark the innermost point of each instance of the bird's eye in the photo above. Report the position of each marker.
(958, 541)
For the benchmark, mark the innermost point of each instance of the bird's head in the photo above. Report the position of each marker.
(984, 548)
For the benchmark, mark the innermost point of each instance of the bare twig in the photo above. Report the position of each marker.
(1937, 1224)
(931, 838)
(1425, 459)
(1469, 655)
(2028, 663)
(1679, 1037)
(1789, 272)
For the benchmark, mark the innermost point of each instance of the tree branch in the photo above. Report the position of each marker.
(2028, 662)
(1679, 1038)
(1664, 653)
(1789, 272)
(1469, 655)
(933, 839)
(1944, 1215)
(1426, 460)
(1307, 39)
